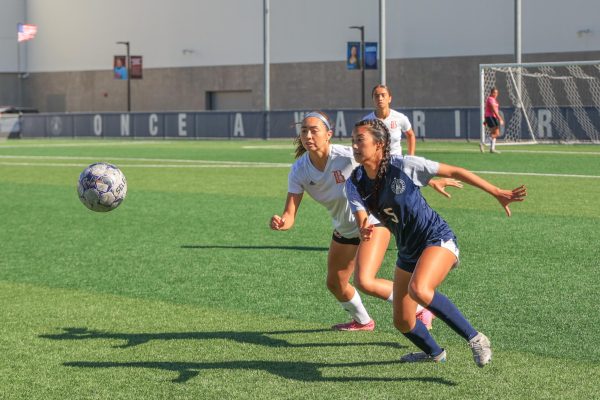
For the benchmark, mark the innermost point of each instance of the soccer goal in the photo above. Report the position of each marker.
(545, 102)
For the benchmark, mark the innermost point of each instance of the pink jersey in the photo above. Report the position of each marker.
(491, 105)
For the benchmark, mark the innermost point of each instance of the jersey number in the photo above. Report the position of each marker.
(390, 212)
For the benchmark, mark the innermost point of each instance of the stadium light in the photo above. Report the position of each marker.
(361, 28)
(128, 62)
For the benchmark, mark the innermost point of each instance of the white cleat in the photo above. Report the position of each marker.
(482, 349)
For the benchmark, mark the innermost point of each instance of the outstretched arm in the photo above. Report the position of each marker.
(286, 220)
(440, 185)
(504, 197)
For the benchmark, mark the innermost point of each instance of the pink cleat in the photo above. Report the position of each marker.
(354, 326)
(426, 318)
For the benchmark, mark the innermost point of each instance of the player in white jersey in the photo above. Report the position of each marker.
(321, 169)
(396, 122)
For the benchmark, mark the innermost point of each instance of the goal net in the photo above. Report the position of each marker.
(549, 102)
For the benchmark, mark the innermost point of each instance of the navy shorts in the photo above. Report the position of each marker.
(492, 122)
(409, 264)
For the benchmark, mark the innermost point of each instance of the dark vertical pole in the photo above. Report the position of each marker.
(362, 66)
(362, 63)
(128, 79)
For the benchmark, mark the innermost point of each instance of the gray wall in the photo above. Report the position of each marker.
(418, 82)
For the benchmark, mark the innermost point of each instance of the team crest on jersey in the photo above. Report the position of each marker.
(393, 125)
(339, 177)
(398, 186)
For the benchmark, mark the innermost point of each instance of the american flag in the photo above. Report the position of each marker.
(26, 32)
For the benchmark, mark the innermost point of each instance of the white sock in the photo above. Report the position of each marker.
(391, 298)
(493, 144)
(356, 309)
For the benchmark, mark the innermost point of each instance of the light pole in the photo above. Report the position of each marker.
(128, 66)
(267, 68)
(362, 63)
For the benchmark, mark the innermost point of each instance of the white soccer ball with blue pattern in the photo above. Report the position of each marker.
(102, 187)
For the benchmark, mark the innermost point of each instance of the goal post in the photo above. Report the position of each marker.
(549, 102)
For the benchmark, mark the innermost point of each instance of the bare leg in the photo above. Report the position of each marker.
(369, 258)
(340, 266)
(434, 265)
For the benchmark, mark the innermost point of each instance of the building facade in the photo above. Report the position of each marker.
(204, 55)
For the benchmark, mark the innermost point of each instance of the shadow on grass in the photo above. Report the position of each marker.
(297, 370)
(258, 338)
(264, 247)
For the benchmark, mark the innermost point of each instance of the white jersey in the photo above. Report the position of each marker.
(328, 187)
(397, 123)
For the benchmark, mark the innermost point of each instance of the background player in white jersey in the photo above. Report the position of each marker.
(321, 169)
(388, 187)
(396, 122)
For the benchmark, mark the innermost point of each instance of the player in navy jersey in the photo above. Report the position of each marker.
(321, 170)
(388, 187)
(398, 126)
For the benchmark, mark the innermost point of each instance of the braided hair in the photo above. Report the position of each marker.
(380, 134)
(298, 142)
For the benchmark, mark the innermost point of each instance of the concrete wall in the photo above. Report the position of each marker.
(191, 47)
(419, 82)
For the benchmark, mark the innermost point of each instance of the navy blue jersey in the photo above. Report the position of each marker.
(401, 207)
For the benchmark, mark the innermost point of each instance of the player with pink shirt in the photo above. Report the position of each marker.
(493, 120)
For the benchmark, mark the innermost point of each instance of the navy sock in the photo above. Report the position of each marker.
(445, 310)
(421, 338)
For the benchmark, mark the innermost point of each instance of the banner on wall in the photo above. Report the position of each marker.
(371, 55)
(136, 67)
(353, 55)
(120, 67)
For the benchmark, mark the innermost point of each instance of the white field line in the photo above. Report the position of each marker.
(504, 150)
(445, 150)
(158, 160)
(227, 164)
(279, 147)
(91, 143)
(270, 147)
(248, 165)
(536, 174)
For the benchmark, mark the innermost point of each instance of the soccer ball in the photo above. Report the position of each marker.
(102, 187)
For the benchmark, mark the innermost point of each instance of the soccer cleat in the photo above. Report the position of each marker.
(481, 347)
(481, 148)
(354, 326)
(422, 357)
(426, 318)
(494, 151)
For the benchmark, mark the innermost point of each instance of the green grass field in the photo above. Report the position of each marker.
(184, 292)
